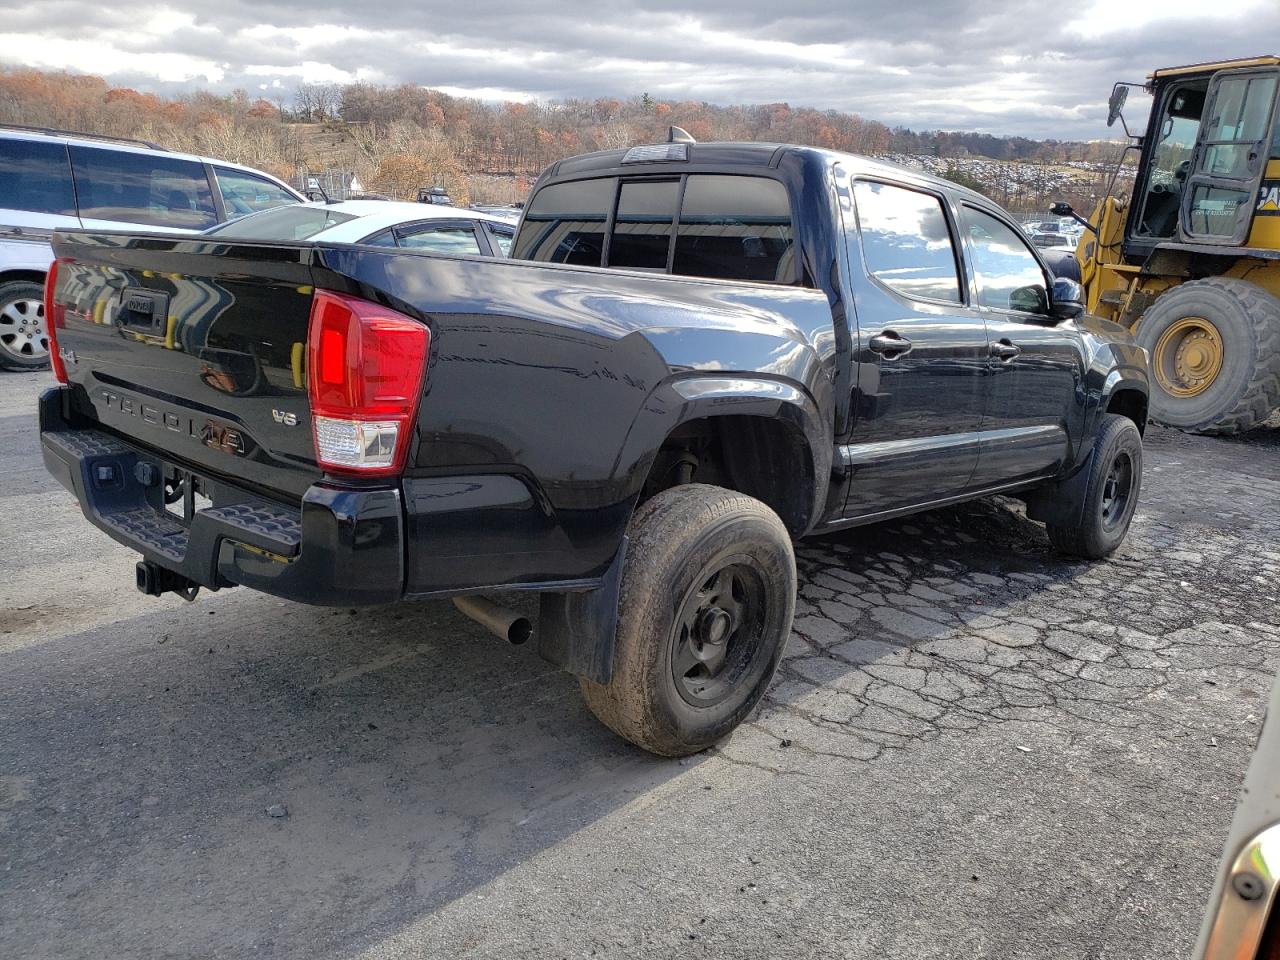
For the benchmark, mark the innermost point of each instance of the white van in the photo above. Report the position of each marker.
(54, 180)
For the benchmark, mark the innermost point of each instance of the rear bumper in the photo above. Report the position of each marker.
(341, 546)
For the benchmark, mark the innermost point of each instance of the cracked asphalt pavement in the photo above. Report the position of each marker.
(974, 748)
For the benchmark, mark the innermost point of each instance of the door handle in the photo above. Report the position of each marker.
(889, 345)
(1005, 350)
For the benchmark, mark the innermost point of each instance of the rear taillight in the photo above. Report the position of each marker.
(365, 364)
(53, 318)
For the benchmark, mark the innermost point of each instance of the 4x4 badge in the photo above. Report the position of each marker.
(286, 417)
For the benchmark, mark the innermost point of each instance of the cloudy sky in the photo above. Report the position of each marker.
(1002, 66)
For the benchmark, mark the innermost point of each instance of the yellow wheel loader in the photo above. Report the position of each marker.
(1191, 261)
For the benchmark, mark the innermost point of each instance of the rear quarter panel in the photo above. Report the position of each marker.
(568, 380)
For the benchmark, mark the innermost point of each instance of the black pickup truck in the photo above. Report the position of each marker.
(698, 353)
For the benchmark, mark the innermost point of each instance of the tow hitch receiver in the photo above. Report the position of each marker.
(154, 580)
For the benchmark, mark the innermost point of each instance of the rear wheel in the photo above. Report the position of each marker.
(24, 334)
(1215, 355)
(704, 612)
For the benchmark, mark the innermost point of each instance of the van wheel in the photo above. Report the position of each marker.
(1215, 355)
(1113, 480)
(24, 334)
(704, 612)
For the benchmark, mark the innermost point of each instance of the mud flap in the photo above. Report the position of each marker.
(576, 630)
(1062, 503)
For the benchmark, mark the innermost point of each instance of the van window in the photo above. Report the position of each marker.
(244, 193)
(35, 176)
(565, 223)
(642, 225)
(735, 228)
(142, 188)
(906, 242)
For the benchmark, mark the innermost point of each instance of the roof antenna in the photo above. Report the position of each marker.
(679, 135)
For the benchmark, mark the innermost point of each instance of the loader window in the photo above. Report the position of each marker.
(1175, 144)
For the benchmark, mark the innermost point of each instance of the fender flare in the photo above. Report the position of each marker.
(708, 395)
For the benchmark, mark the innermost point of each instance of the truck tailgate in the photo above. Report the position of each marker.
(194, 348)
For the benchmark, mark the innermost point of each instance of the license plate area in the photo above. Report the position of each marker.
(183, 495)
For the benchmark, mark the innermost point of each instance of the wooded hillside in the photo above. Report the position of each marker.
(398, 138)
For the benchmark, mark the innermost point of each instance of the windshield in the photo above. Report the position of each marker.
(283, 223)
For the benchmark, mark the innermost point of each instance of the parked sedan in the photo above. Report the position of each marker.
(384, 223)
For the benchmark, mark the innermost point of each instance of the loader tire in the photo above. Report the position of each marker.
(1215, 355)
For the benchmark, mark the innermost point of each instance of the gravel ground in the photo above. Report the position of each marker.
(973, 749)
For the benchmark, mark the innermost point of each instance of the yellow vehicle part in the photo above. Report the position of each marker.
(1265, 232)
(1187, 357)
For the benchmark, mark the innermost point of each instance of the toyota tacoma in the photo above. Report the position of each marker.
(697, 354)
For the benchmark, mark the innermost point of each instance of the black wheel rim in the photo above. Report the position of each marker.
(718, 634)
(1117, 491)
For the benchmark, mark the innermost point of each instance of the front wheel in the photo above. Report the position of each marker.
(704, 613)
(1112, 482)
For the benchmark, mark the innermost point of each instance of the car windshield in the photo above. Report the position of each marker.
(283, 223)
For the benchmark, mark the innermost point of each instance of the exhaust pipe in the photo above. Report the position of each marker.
(503, 622)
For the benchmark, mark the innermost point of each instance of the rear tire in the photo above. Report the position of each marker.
(1113, 481)
(704, 613)
(24, 335)
(1215, 355)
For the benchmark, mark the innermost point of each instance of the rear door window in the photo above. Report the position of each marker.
(642, 226)
(565, 223)
(735, 228)
(36, 177)
(245, 193)
(906, 242)
(296, 222)
(456, 239)
(144, 188)
(501, 236)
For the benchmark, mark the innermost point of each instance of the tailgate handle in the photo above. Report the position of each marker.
(143, 309)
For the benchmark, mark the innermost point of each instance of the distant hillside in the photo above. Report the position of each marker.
(398, 138)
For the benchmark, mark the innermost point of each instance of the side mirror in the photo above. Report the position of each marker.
(1060, 208)
(1067, 299)
(1119, 94)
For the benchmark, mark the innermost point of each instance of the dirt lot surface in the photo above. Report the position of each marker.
(973, 749)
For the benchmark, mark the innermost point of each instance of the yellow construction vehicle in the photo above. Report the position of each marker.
(1191, 260)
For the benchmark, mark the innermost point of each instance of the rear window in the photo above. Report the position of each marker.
(143, 188)
(735, 228)
(642, 226)
(35, 176)
(282, 223)
(565, 223)
(729, 227)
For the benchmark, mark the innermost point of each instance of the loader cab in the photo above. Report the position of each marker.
(1209, 156)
